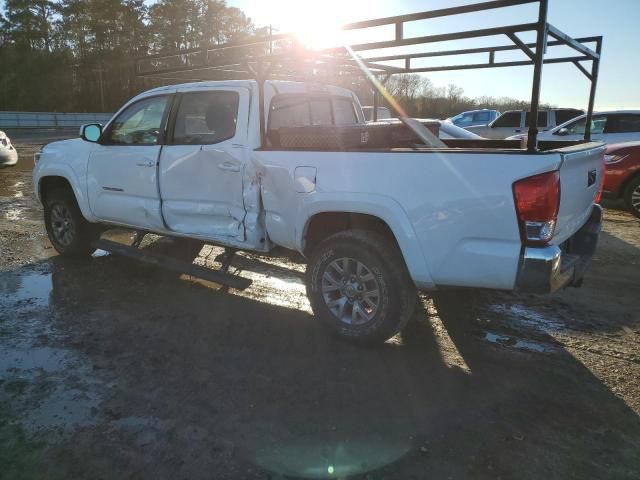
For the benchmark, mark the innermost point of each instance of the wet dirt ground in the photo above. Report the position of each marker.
(113, 370)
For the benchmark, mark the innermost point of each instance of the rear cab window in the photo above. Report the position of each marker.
(301, 110)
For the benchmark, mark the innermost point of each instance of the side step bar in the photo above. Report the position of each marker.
(173, 264)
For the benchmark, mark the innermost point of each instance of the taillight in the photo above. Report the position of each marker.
(605, 159)
(537, 201)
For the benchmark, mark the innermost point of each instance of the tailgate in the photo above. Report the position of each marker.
(581, 174)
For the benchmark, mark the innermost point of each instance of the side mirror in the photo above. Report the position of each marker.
(91, 132)
(562, 132)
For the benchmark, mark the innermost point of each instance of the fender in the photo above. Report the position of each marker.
(65, 171)
(385, 208)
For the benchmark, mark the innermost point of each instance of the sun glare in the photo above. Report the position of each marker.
(315, 24)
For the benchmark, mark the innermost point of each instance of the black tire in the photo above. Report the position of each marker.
(632, 195)
(366, 252)
(70, 234)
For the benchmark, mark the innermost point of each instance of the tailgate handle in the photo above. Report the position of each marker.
(591, 177)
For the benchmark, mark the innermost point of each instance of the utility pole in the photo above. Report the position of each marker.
(100, 71)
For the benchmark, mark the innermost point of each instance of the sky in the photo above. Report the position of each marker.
(618, 21)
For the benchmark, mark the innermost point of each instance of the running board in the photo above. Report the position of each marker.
(173, 264)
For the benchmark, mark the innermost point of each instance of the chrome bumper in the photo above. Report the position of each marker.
(547, 269)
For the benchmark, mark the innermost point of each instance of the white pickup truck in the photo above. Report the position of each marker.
(375, 223)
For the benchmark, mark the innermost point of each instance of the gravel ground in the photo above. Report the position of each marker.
(109, 369)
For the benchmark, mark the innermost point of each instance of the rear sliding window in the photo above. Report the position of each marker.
(304, 110)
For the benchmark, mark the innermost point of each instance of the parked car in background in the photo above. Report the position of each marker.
(383, 113)
(474, 117)
(622, 174)
(513, 122)
(610, 127)
(449, 130)
(8, 153)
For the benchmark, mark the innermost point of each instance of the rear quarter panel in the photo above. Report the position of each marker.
(455, 208)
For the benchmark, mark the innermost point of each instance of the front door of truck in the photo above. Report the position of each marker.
(122, 171)
(202, 165)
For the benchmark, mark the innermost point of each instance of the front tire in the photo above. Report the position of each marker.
(632, 196)
(359, 287)
(70, 234)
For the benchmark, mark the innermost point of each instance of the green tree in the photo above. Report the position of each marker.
(28, 23)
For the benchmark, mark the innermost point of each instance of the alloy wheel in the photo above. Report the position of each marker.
(351, 291)
(62, 225)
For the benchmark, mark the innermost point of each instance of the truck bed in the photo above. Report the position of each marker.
(456, 203)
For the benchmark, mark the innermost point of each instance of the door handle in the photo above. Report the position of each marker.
(228, 166)
(150, 163)
(518, 130)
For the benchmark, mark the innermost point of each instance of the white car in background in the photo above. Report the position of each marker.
(8, 153)
(449, 130)
(611, 127)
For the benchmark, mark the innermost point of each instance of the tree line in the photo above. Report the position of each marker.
(78, 55)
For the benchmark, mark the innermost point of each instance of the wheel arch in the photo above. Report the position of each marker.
(627, 181)
(322, 218)
(63, 180)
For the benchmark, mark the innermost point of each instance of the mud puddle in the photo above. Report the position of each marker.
(63, 392)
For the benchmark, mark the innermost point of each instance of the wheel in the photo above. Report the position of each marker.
(632, 196)
(70, 234)
(359, 287)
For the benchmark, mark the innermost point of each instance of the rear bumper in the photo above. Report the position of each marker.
(547, 269)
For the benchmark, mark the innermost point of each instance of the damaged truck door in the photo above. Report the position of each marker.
(201, 165)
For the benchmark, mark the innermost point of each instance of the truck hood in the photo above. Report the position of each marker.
(66, 150)
(63, 145)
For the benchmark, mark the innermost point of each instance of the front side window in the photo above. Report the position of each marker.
(139, 124)
(577, 128)
(463, 119)
(508, 119)
(481, 117)
(206, 118)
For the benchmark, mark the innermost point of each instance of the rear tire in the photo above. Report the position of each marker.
(632, 196)
(359, 287)
(70, 234)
